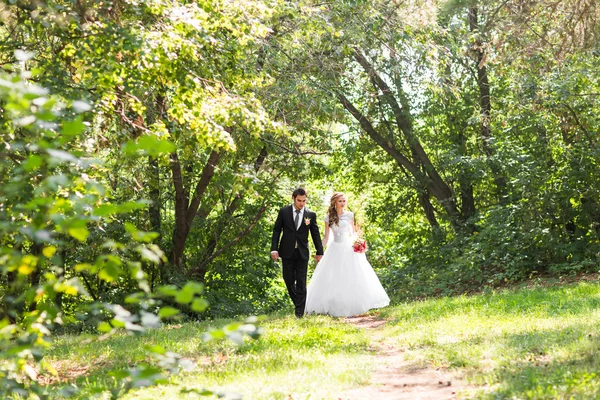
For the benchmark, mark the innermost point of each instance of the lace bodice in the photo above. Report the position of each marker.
(345, 230)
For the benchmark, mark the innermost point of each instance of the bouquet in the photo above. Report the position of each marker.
(359, 245)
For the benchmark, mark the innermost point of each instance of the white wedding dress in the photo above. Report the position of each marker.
(344, 283)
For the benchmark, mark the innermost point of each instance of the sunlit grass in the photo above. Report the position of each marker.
(314, 358)
(539, 343)
(528, 344)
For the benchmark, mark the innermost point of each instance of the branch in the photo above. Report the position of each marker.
(16, 158)
(260, 159)
(180, 203)
(402, 120)
(240, 236)
(295, 152)
(404, 124)
(233, 205)
(206, 209)
(383, 117)
(89, 287)
(578, 122)
(207, 173)
(493, 15)
(372, 132)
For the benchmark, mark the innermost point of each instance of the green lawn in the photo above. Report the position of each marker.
(293, 357)
(539, 343)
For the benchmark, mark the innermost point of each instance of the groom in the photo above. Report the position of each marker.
(295, 221)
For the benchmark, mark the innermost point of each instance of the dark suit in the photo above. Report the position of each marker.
(295, 259)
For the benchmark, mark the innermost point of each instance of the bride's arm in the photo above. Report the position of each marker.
(326, 236)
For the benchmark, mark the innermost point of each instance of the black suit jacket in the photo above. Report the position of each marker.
(285, 224)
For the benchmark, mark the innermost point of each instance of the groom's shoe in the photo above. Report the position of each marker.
(299, 315)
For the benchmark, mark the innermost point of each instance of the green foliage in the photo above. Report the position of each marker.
(51, 202)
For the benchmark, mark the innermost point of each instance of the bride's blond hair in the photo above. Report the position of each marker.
(334, 218)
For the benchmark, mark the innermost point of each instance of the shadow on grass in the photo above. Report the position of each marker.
(558, 363)
(550, 364)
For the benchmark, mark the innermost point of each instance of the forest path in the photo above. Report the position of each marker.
(394, 377)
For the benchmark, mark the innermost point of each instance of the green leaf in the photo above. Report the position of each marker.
(60, 156)
(105, 210)
(80, 106)
(79, 233)
(73, 128)
(109, 268)
(168, 290)
(149, 145)
(104, 327)
(215, 334)
(138, 235)
(83, 267)
(28, 120)
(199, 305)
(166, 312)
(32, 163)
(156, 349)
(184, 296)
(23, 55)
(117, 323)
(194, 287)
(135, 298)
(149, 320)
(132, 206)
(149, 255)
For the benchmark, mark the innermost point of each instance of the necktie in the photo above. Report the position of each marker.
(297, 219)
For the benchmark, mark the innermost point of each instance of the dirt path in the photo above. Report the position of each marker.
(394, 377)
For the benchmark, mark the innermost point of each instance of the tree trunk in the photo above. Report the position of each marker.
(186, 210)
(485, 105)
(211, 248)
(467, 199)
(154, 169)
(428, 208)
(36, 250)
(425, 198)
(154, 194)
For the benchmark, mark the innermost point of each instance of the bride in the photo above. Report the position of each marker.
(344, 283)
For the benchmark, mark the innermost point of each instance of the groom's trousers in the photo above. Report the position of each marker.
(294, 274)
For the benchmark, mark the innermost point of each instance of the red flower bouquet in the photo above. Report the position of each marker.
(359, 245)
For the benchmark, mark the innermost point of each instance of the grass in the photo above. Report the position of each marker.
(539, 343)
(315, 357)
(529, 343)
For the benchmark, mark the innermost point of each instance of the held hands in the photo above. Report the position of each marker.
(275, 256)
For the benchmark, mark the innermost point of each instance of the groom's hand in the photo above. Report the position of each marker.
(275, 255)
(318, 258)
